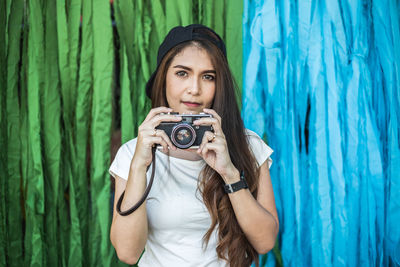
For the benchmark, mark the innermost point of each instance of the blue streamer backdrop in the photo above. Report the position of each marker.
(322, 85)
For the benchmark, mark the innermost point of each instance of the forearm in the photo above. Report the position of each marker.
(258, 224)
(129, 233)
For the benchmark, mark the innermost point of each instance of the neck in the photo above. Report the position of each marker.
(188, 154)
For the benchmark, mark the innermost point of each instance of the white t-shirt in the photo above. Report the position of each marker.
(177, 216)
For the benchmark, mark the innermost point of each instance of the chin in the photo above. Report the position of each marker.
(194, 110)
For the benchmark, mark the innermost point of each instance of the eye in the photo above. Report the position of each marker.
(208, 77)
(181, 73)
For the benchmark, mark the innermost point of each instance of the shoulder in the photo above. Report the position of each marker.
(253, 137)
(260, 149)
(251, 134)
(129, 147)
(121, 163)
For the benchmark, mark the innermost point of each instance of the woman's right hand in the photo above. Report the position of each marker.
(148, 136)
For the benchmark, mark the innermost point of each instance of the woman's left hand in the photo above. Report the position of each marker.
(214, 150)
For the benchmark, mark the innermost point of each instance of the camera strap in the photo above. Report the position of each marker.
(145, 194)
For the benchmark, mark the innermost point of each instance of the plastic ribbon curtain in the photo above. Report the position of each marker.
(72, 76)
(322, 84)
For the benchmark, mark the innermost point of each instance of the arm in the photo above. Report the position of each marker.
(129, 233)
(257, 218)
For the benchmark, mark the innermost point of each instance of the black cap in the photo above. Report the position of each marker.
(179, 35)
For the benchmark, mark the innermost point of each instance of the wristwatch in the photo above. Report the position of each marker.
(231, 188)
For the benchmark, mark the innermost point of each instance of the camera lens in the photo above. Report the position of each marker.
(183, 135)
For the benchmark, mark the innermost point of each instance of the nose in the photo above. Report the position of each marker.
(195, 86)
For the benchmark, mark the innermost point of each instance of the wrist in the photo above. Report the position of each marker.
(232, 175)
(138, 166)
(236, 186)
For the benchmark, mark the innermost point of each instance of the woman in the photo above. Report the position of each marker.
(188, 218)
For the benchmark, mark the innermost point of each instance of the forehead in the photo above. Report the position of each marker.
(194, 55)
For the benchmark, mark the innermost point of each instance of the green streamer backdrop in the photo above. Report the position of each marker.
(72, 78)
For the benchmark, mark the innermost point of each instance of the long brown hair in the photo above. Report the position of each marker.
(233, 245)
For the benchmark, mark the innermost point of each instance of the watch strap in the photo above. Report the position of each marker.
(231, 188)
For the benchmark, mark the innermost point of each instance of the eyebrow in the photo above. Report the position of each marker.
(189, 69)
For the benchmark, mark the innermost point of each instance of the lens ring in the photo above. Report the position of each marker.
(180, 127)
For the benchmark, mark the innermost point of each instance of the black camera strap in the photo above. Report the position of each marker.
(145, 194)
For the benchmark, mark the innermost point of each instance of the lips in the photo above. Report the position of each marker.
(191, 104)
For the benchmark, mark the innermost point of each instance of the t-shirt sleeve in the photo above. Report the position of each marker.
(262, 152)
(122, 161)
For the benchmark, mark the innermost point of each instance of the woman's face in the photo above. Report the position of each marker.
(190, 81)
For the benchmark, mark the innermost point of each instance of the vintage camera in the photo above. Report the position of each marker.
(184, 134)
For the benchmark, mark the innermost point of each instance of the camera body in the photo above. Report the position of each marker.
(184, 134)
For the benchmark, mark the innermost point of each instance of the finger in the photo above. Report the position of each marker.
(207, 137)
(165, 137)
(214, 122)
(162, 135)
(206, 121)
(155, 111)
(214, 113)
(156, 140)
(149, 132)
(210, 139)
(156, 120)
(209, 147)
(151, 124)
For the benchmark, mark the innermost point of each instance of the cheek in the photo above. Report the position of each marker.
(169, 88)
(170, 97)
(210, 96)
(171, 92)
